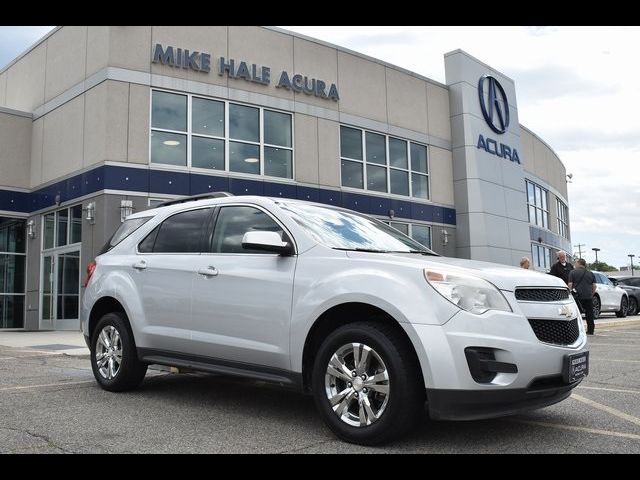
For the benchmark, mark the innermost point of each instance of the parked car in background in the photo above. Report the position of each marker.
(627, 284)
(608, 297)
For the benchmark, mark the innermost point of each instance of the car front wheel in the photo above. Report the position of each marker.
(624, 306)
(366, 383)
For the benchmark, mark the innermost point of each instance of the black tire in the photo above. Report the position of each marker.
(406, 395)
(596, 306)
(131, 371)
(633, 307)
(624, 307)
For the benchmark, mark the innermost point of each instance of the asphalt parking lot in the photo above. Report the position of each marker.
(51, 404)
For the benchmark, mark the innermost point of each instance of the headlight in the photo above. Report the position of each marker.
(469, 293)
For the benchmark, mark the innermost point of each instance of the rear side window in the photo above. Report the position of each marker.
(180, 233)
(127, 228)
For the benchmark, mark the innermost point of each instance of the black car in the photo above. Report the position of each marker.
(632, 286)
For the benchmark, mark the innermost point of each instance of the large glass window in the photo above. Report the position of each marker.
(540, 257)
(63, 227)
(419, 232)
(563, 218)
(389, 164)
(233, 222)
(537, 205)
(199, 132)
(12, 272)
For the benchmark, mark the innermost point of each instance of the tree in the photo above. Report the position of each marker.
(601, 267)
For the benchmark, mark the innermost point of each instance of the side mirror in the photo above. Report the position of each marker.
(267, 241)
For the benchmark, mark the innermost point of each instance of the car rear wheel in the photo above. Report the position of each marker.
(366, 383)
(624, 307)
(596, 306)
(633, 306)
(114, 360)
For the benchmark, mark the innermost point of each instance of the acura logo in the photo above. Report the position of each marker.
(495, 108)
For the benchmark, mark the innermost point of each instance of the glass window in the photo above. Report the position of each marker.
(207, 117)
(418, 158)
(278, 162)
(11, 311)
(234, 222)
(351, 143)
(377, 169)
(244, 123)
(399, 180)
(376, 150)
(169, 111)
(11, 273)
(182, 232)
(403, 227)
(420, 185)
(217, 135)
(398, 153)
(125, 229)
(168, 148)
(244, 157)
(422, 234)
(376, 178)
(12, 235)
(207, 153)
(537, 201)
(76, 224)
(277, 128)
(62, 222)
(531, 194)
(352, 174)
(68, 285)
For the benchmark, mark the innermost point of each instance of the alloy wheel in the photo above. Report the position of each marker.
(109, 352)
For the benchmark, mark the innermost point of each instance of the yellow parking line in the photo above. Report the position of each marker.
(580, 429)
(610, 389)
(604, 408)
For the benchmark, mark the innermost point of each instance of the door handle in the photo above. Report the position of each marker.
(208, 272)
(141, 265)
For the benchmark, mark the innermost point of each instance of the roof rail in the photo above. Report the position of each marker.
(193, 198)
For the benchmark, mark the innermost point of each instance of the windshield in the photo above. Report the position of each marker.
(346, 230)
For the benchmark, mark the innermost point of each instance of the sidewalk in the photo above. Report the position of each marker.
(72, 343)
(60, 342)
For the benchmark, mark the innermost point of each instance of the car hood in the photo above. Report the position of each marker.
(504, 277)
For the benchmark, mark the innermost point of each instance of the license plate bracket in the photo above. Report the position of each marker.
(576, 367)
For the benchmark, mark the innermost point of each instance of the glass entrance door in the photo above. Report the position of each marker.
(61, 290)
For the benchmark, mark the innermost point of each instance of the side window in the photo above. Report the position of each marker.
(635, 282)
(146, 245)
(180, 233)
(234, 222)
(599, 279)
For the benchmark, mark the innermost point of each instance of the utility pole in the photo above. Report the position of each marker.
(579, 247)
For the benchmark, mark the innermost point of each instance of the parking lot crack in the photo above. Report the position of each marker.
(46, 439)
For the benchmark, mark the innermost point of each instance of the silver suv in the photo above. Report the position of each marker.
(332, 303)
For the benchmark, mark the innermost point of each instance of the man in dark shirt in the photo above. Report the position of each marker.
(584, 282)
(561, 268)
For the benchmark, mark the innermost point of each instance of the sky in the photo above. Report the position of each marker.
(577, 88)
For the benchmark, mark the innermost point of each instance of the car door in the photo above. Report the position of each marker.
(241, 303)
(606, 291)
(164, 271)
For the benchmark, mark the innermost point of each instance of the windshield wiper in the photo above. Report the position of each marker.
(421, 252)
(358, 249)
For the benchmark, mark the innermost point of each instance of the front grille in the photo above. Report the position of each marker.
(557, 332)
(542, 294)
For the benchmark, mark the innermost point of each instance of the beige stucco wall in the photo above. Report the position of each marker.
(110, 120)
(15, 150)
(541, 161)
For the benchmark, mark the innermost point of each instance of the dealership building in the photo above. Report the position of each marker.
(97, 122)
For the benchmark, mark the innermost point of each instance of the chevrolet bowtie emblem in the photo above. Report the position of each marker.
(566, 310)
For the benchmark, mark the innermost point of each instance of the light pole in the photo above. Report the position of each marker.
(596, 250)
(631, 255)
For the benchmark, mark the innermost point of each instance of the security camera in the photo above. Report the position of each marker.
(569, 176)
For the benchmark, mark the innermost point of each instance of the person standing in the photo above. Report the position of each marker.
(524, 263)
(584, 283)
(561, 268)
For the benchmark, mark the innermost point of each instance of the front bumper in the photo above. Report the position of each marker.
(478, 404)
